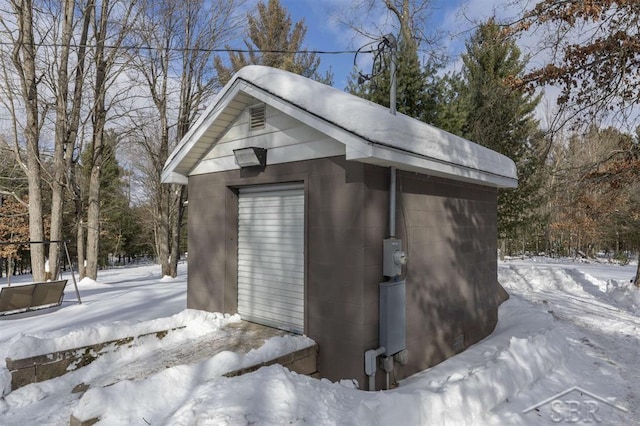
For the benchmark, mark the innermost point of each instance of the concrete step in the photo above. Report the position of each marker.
(238, 337)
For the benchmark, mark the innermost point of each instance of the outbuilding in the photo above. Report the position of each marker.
(304, 204)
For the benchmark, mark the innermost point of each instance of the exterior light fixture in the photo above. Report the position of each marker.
(251, 157)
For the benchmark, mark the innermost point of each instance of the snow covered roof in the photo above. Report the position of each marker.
(368, 131)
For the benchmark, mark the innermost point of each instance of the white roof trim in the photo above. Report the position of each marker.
(416, 163)
(351, 141)
(195, 133)
(370, 134)
(173, 177)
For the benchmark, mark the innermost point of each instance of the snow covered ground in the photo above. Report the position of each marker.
(566, 349)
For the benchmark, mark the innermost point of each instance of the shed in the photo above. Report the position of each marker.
(297, 241)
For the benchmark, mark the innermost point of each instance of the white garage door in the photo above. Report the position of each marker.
(271, 255)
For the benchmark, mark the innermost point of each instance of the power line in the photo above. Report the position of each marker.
(200, 49)
(385, 42)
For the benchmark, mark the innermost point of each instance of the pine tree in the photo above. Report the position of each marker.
(501, 118)
(452, 107)
(415, 84)
(115, 213)
(274, 41)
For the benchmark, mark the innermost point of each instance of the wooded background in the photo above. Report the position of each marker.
(95, 94)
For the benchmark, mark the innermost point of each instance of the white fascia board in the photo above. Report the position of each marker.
(384, 156)
(196, 132)
(352, 142)
(173, 177)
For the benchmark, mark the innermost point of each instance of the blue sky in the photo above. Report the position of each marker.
(324, 32)
(454, 18)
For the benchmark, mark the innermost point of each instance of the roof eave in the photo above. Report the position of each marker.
(169, 176)
(180, 164)
(174, 167)
(360, 149)
(383, 156)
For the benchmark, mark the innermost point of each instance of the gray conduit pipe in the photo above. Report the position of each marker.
(370, 365)
(392, 203)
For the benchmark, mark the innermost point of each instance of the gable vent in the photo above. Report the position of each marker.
(257, 117)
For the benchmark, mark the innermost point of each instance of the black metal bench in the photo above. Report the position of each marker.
(31, 297)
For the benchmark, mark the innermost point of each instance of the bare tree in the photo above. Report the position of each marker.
(67, 90)
(176, 67)
(371, 19)
(594, 56)
(111, 25)
(55, 67)
(18, 27)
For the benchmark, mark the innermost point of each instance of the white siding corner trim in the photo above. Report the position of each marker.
(271, 255)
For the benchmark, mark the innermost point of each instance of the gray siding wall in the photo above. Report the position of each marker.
(347, 220)
(451, 246)
(450, 231)
(341, 251)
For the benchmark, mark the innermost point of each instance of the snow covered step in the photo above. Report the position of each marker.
(246, 348)
(134, 351)
(43, 367)
(235, 340)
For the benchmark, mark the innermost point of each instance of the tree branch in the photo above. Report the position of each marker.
(15, 196)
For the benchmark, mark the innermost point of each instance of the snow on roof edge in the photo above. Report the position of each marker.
(369, 121)
(374, 123)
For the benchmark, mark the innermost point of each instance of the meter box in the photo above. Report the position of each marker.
(393, 257)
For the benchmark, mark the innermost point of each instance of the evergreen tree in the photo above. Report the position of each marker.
(416, 93)
(118, 224)
(501, 118)
(452, 107)
(275, 42)
(416, 82)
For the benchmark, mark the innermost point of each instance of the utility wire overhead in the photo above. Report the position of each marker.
(198, 49)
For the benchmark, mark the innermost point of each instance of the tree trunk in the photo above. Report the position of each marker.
(164, 253)
(93, 219)
(165, 192)
(636, 280)
(24, 60)
(66, 127)
(82, 270)
(176, 223)
(59, 164)
(97, 141)
(57, 197)
(9, 271)
(36, 230)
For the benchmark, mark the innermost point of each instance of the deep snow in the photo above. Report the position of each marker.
(566, 324)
